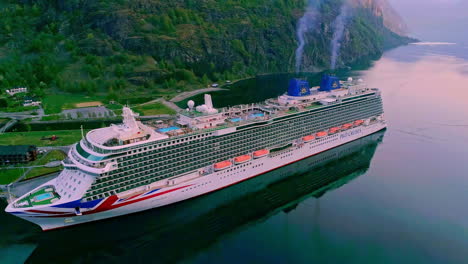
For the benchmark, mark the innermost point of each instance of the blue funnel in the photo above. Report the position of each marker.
(298, 88)
(329, 83)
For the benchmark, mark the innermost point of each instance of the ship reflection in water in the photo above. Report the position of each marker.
(179, 231)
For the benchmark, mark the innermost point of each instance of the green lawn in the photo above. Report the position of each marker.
(65, 137)
(55, 103)
(10, 175)
(49, 156)
(51, 118)
(35, 172)
(3, 121)
(153, 109)
(114, 106)
(19, 108)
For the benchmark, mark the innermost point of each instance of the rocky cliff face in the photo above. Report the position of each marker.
(382, 8)
(140, 47)
(372, 27)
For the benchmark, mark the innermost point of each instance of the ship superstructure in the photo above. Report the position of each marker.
(133, 166)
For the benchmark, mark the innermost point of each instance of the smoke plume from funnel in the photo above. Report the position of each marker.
(338, 30)
(306, 23)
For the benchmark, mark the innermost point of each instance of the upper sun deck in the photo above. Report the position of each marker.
(292, 102)
(43, 196)
(205, 118)
(68, 186)
(129, 132)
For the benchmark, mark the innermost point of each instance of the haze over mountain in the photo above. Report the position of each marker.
(435, 20)
(392, 20)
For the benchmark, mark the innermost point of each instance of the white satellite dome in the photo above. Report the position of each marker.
(191, 104)
(360, 80)
(350, 79)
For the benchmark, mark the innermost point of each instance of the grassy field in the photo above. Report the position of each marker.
(10, 175)
(35, 172)
(65, 137)
(55, 103)
(116, 108)
(19, 108)
(50, 118)
(52, 155)
(3, 121)
(153, 109)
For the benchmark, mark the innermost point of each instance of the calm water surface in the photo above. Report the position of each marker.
(394, 197)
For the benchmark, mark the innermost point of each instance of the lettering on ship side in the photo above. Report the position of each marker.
(350, 133)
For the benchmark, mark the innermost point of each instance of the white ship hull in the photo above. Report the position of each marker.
(54, 217)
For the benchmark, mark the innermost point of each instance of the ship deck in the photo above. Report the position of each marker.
(241, 115)
(43, 196)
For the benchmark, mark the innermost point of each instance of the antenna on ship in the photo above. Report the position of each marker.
(10, 199)
(190, 104)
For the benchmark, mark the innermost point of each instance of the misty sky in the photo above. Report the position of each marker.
(435, 20)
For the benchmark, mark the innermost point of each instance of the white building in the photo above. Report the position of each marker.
(29, 101)
(14, 91)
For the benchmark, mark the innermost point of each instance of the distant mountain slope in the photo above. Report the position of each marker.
(146, 48)
(391, 19)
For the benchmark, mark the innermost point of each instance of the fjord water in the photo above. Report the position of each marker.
(396, 197)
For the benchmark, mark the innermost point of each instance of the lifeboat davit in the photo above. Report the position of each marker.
(333, 130)
(242, 159)
(261, 153)
(308, 138)
(358, 122)
(222, 165)
(346, 126)
(321, 134)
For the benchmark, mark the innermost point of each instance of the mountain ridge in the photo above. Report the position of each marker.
(151, 48)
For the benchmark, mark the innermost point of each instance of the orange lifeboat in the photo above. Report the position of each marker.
(242, 159)
(222, 165)
(261, 153)
(321, 134)
(333, 130)
(346, 126)
(308, 138)
(358, 122)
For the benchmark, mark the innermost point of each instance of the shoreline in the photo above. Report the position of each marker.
(224, 87)
(188, 94)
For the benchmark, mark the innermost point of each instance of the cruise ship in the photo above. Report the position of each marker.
(202, 221)
(131, 167)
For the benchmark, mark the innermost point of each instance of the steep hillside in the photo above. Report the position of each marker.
(391, 19)
(149, 48)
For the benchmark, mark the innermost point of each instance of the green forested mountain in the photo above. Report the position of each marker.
(146, 48)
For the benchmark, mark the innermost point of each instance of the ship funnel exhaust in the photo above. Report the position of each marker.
(208, 102)
(307, 23)
(339, 26)
(207, 107)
